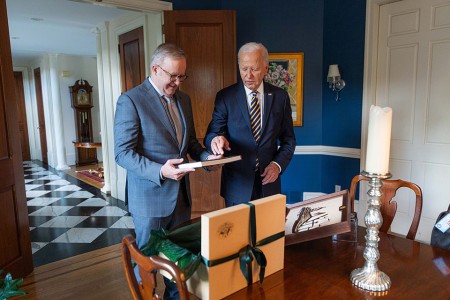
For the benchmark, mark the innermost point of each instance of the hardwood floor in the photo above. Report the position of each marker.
(94, 275)
(98, 274)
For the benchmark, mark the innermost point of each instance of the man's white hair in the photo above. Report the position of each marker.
(251, 47)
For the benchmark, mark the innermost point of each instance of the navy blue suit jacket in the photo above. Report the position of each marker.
(231, 119)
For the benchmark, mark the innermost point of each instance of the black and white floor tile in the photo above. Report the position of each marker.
(69, 217)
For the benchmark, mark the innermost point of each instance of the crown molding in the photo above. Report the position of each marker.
(135, 5)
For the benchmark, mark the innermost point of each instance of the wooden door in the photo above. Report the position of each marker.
(22, 116)
(413, 78)
(40, 112)
(132, 58)
(15, 244)
(209, 40)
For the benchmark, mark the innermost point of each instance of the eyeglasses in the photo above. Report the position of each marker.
(174, 77)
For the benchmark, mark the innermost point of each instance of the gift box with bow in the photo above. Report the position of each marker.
(240, 245)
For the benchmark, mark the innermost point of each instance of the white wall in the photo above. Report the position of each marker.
(107, 90)
(109, 75)
(76, 68)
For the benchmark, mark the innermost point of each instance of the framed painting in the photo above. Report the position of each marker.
(286, 71)
(317, 218)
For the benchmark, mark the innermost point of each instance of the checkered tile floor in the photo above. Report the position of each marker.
(69, 217)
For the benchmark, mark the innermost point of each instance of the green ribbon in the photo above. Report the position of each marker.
(250, 252)
(267, 240)
(182, 246)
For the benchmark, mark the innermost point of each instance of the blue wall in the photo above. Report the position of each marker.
(344, 45)
(341, 121)
(330, 31)
(197, 4)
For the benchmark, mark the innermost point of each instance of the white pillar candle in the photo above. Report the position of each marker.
(379, 140)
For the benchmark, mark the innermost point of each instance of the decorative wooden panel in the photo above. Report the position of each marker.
(209, 40)
(15, 244)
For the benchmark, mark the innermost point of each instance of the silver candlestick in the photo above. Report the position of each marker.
(370, 277)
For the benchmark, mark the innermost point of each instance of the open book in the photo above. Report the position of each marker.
(207, 163)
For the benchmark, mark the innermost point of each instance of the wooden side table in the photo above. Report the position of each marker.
(86, 152)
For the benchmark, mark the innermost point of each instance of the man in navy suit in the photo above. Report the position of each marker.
(153, 133)
(264, 136)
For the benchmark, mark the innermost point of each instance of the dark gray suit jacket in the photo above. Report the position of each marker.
(231, 119)
(144, 140)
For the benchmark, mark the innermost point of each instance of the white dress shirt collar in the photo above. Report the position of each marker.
(260, 90)
(157, 90)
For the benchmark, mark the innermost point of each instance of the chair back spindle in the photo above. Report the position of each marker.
(148, 267)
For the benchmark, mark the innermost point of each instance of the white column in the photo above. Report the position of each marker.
(102, 112)
(57, 113)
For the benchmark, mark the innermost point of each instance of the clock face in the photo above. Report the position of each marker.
(82, 97)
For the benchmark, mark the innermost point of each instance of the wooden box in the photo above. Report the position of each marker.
(225, 232)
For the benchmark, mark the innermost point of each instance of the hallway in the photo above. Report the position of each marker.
(68, 216)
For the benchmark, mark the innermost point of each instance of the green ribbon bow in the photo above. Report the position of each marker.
(250, 252)
(182, 246)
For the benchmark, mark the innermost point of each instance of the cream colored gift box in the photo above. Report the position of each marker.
(226, 231)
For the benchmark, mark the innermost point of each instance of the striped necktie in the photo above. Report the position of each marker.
(174, 118)
(255, 120)
(255, 116)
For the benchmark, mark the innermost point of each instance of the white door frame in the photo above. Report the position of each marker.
(108, 68)
(369, 83)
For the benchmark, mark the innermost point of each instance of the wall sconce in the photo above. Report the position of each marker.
(334, 80)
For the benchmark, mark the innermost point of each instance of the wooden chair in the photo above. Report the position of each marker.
(388, 205)
(148, 267)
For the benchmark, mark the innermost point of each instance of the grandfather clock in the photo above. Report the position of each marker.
(81, 94)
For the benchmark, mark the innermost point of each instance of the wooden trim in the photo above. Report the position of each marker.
(15, 254)
(87, 144)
